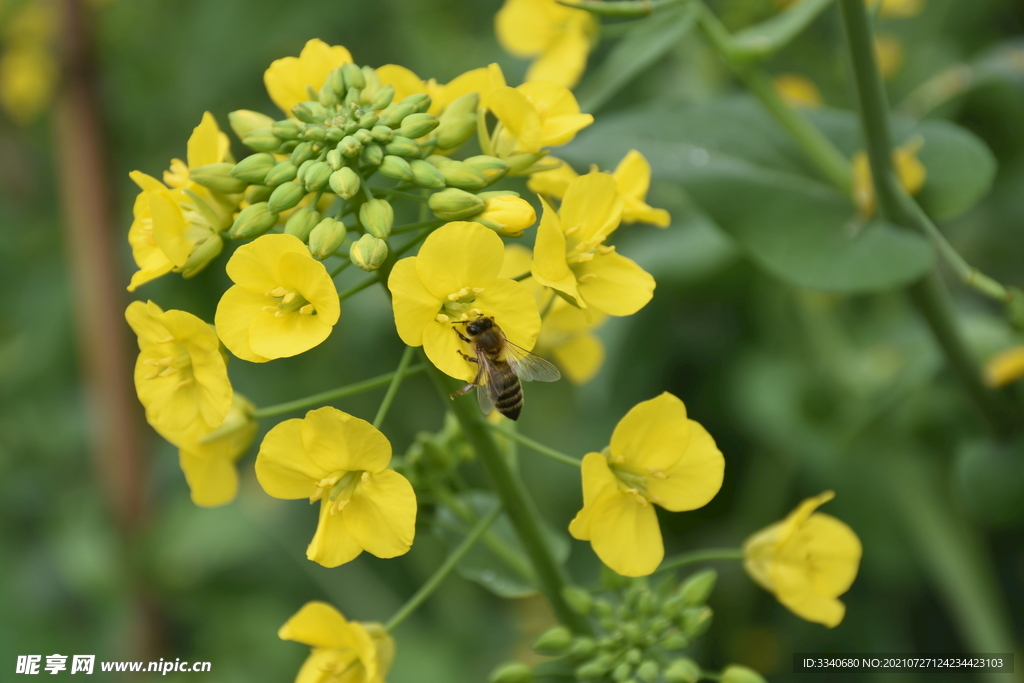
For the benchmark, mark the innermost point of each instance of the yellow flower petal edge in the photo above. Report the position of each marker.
(288, 78)
(363, 652)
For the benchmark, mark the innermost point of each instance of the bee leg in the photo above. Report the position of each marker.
(462, 336)
(469, 387)
(467, 356)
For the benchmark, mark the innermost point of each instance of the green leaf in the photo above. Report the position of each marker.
(634, 53)
(497, 561)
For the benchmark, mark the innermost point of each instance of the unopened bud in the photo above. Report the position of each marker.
(382, 134)
(507, 215)
(303, 168)
(368, 121)
(326, 237)
(683, 670)
(371, 155)
(395, 168)
(218, 178)
(349, 146)
(334, 159)
(579, 600)
(309, 112)
(336, 82)
(301, 222)
(648, 671)
(364, 136)
(734, 673)
(675, 640)
(368, 252)
(454, 205)
(521, 164)
(672, 606)
(315, 133)
(244, 121)
(353, 96)
(288, 129)
(425, 175)
(353, 76)
(455, 130)
(421, 101)
(402, 146)
(377, 217)
(466, 104)
(204, 252)
(622, 672)
(345, 182)
(602, 608)
(254, 168)
(583, 648)
(696, 589)
(492, 168)
(427, 145)
(334, 135)
(459, 174)
(253, 221)
(285, 196)
(254, 194)
(394, 114)
(695, 621)
(382, 98)
(592, 671)
(316, 176)
(372, 85)
(327, 97)
(303, 152)
(417, 125)
(261, 140)
(554, 642)
(511, 673)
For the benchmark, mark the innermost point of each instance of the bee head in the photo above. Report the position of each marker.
(479, 325)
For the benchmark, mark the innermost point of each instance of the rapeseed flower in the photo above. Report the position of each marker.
(657, 456)
(283, 302)
(29, 71)
(455, 277)
(289, 79)
(807, 561)
(557, 37)
(481, 81)
(343, 651)
(909, 169)
(570, 255)
(531, 117)
(341, 461)
(180, 375)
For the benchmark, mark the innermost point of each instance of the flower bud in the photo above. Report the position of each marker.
(254, 194)
(353, 76)
(425, 175)
(511, 673)
(455, 130)
(334, 159)
(364, 136)
(285, 196)
(349, 146)
(492, 168)
(459, 174)
(204, 252)
(371, 155)
(579, 600)
(254, 168)
(382, 98)
(648, 671)
(735, 673)
(402, 146)
(696, 589)
(315, 133)
(301, 222)
(672, 606)
(345, 182)
(583, 648)
(336, 82)
(218, 178)
(353, 97)
(253, 221)
(288, 129)
(695, 621)
(244, 120)
(554, 642)
(521, 164)
(326, 237)
(334, 135)
(261, 140)
(675, 641)
(368, 252)
(327, 97)
(303, 152)
(382, 134)
(622, 672)
(421, 101)
(303, 168)
(466, 104)
(454, 205)
(417, 125)
(506, 215)
(395, 168)
(592, 671)
(377, 217)
(427, 145)
(316, 176)
(373, 84)
(309, 112)
(602, 608)
(368, 121)
(682, 670)
(393, 115)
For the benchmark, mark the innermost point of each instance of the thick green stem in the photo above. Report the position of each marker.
(898, 207)
(396, 382)
(333, 394)
(538, 446)
(521, 509)
(705, 555)
(446, 567)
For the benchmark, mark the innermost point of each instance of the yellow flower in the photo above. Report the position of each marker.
(207, 145)
(343, 651)
(180, 375)
(507, 215)
(1005, 367)
(531, 117)
(558, 37)
(455, 277)
(289, 78)
(341, 461)
(657, 455)
(28, 68)
(482, 81)
(889, 53)
(807, 561)
(632, 177)
(797, 90)
(909, 169)
(898, 8)
(283, 302)
(207, 457)
(570, 255)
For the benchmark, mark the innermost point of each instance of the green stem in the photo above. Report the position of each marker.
(896, 205)
(537, 446)
(333, 394)
(396, 382)
(355, 289)
(446, 567)
(523, 276)
(695, 556)
(398, 194)
(623, 8)
(340, 268)
(521, 509)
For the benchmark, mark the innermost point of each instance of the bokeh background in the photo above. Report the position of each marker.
(803, 391)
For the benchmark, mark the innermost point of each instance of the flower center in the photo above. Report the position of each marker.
(635, 484)
(586, 250)
(179, 364)
(339, 488)
(344, 666)
(289, 300)
(459, 305)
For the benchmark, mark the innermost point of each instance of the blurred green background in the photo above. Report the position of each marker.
(802, 391)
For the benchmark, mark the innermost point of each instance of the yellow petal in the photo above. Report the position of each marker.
(442, 347)
(524, 27)
(633, 175)
(272, 337)
(653, 435)
(317, 624)
(636, 211)
(620, 287)
(339, 441)
(580, 357)
(283, 466)
(204, 145)
(169, 227)
(517, 261)
(300, 270)
(592, 203)
(332, 544)
(563, 59)
(815, 608)
(414, 306)
(483, 81)
(235, 313)
(256, 266)
(404, 81)
(598, 483)
(695, 479)
(457, 255)
(560, 115)
(144, 319)
(168, 406)
(212, 481)
(381, 516)
(519, 116)
(287, 79)
(549, 261)
(625, 534)
(553, 183)
(1005, 367)
(834, 551)
(514, 310)
(146, 182)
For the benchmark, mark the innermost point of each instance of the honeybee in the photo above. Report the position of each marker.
(502, 365)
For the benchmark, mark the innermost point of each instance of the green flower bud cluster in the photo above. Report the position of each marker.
(433, 457)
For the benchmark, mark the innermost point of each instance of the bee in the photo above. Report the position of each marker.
(502, 365)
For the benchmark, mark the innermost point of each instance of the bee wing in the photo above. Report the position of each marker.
(530, 367)
(487, 391)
